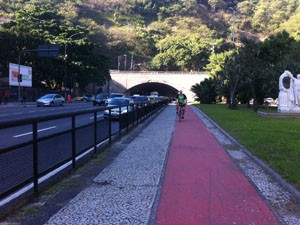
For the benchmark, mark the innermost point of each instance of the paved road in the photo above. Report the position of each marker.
(21, 134)
(15, 110)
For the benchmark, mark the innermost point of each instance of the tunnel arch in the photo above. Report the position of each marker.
(166, 82)
(147, 88)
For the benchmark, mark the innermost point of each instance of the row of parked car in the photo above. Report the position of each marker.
(111, 100)
(102, 99)
(120, 100)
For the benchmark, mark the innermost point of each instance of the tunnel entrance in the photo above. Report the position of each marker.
(147, 88)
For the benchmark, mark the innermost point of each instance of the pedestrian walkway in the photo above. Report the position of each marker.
(125, 191)
(172, 173)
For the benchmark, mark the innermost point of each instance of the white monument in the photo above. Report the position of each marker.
(289, 93)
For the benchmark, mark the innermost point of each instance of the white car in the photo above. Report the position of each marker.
(50, 100)
(118, 101)
(268, 101)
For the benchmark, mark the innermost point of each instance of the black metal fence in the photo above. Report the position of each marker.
(27, 164)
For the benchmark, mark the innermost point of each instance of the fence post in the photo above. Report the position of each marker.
(35, 159)
(95, 132)
(127, 119)
(73, 143)
(109, 125)
(120, 122)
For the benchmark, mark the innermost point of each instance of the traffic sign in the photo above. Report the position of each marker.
(48, 50)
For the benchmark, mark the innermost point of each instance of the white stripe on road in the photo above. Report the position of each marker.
(96, 116)
(20, 135)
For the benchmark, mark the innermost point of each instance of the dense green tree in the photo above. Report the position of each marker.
(268, 15)
(231, 76)
(225, 68)
(216, 4)
(216, 68)
(37, 23)
(253, 71)
(279, 52)
(182, 52)
(251, 68)
(292, 25)
(171, 34)
(205, 91)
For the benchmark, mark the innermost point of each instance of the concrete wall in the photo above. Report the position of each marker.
(121, 81)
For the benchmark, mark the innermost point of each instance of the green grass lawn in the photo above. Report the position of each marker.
(274, 140)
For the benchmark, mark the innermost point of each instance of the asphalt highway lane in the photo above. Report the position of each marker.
(21, 134)
(16, 153)
(17, 111)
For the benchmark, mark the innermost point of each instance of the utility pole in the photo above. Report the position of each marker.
(125, 62)
(47, 51)
(233, 28)
(67, 40)
(131, 63)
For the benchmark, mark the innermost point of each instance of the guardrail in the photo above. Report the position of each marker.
(26, 166)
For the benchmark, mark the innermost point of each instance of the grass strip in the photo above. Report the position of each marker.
(276, 141)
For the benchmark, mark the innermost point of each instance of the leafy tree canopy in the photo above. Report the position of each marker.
(162, 35)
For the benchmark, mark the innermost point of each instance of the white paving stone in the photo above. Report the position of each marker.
(124, 192)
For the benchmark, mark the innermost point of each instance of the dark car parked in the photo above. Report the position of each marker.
(87, 98)
(140, 99)
(100, 99)
(116, 112)
(84, 98)
(113, 95)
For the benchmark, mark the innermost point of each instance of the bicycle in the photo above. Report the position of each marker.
(180, 112)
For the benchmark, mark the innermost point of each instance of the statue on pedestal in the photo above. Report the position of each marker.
(289, 93)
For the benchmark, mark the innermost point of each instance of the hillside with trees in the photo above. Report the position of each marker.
(244, 44)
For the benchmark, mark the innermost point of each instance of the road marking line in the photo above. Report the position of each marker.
(96, 116)
(20, 135)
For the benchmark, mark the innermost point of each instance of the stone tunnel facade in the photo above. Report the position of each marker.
(165, 83)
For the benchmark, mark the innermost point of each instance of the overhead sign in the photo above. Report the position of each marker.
(48, 50)
(25, 78)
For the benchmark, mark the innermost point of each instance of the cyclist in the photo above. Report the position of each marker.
(181, 101)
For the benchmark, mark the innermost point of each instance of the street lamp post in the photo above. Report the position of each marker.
(125, 61)
(131, 62)
(19, 77)
(118, 63)
(69, 39)
(49, 48)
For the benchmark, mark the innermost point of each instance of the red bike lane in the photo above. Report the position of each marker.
(202, 185)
